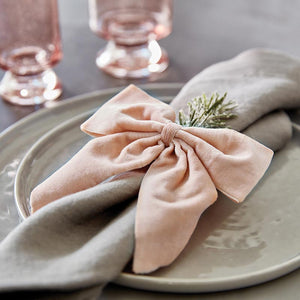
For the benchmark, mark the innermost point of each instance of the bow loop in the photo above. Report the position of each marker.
(130, 110)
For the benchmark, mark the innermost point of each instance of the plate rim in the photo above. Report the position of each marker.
(185, 285)
(23, 163)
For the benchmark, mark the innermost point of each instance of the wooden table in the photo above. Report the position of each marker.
(204, 32)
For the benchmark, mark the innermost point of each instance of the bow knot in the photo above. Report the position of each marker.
(181, 181)
(169, 132)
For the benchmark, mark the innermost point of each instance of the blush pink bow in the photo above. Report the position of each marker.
(186, 167)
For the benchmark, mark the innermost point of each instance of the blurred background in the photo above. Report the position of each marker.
(204, 32)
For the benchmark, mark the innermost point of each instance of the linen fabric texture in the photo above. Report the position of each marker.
(75, 245)
(186, 167)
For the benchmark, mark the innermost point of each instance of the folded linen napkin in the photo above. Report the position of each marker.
(187, 165)
(15, 245)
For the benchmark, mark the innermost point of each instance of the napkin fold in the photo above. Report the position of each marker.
(71, 248)
(29, 250)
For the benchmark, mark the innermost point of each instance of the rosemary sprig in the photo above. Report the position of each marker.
(211, 112)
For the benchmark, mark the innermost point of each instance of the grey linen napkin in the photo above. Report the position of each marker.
(261, 82)
(72, 247)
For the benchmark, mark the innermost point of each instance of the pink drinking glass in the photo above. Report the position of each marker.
(132, 28)
(30, 45)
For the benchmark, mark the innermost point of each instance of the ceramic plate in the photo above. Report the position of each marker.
(234, 245)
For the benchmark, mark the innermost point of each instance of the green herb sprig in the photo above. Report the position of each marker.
(211, 112)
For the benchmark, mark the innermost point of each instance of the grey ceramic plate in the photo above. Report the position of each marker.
(234, 245)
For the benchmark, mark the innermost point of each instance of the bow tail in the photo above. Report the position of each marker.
(175, 191)
(98, 160)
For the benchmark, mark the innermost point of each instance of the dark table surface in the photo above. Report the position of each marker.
(204, 32)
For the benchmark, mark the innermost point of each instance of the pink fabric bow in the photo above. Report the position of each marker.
(186, 166)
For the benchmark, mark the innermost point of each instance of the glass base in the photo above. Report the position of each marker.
(30, 89)
(136, 61)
